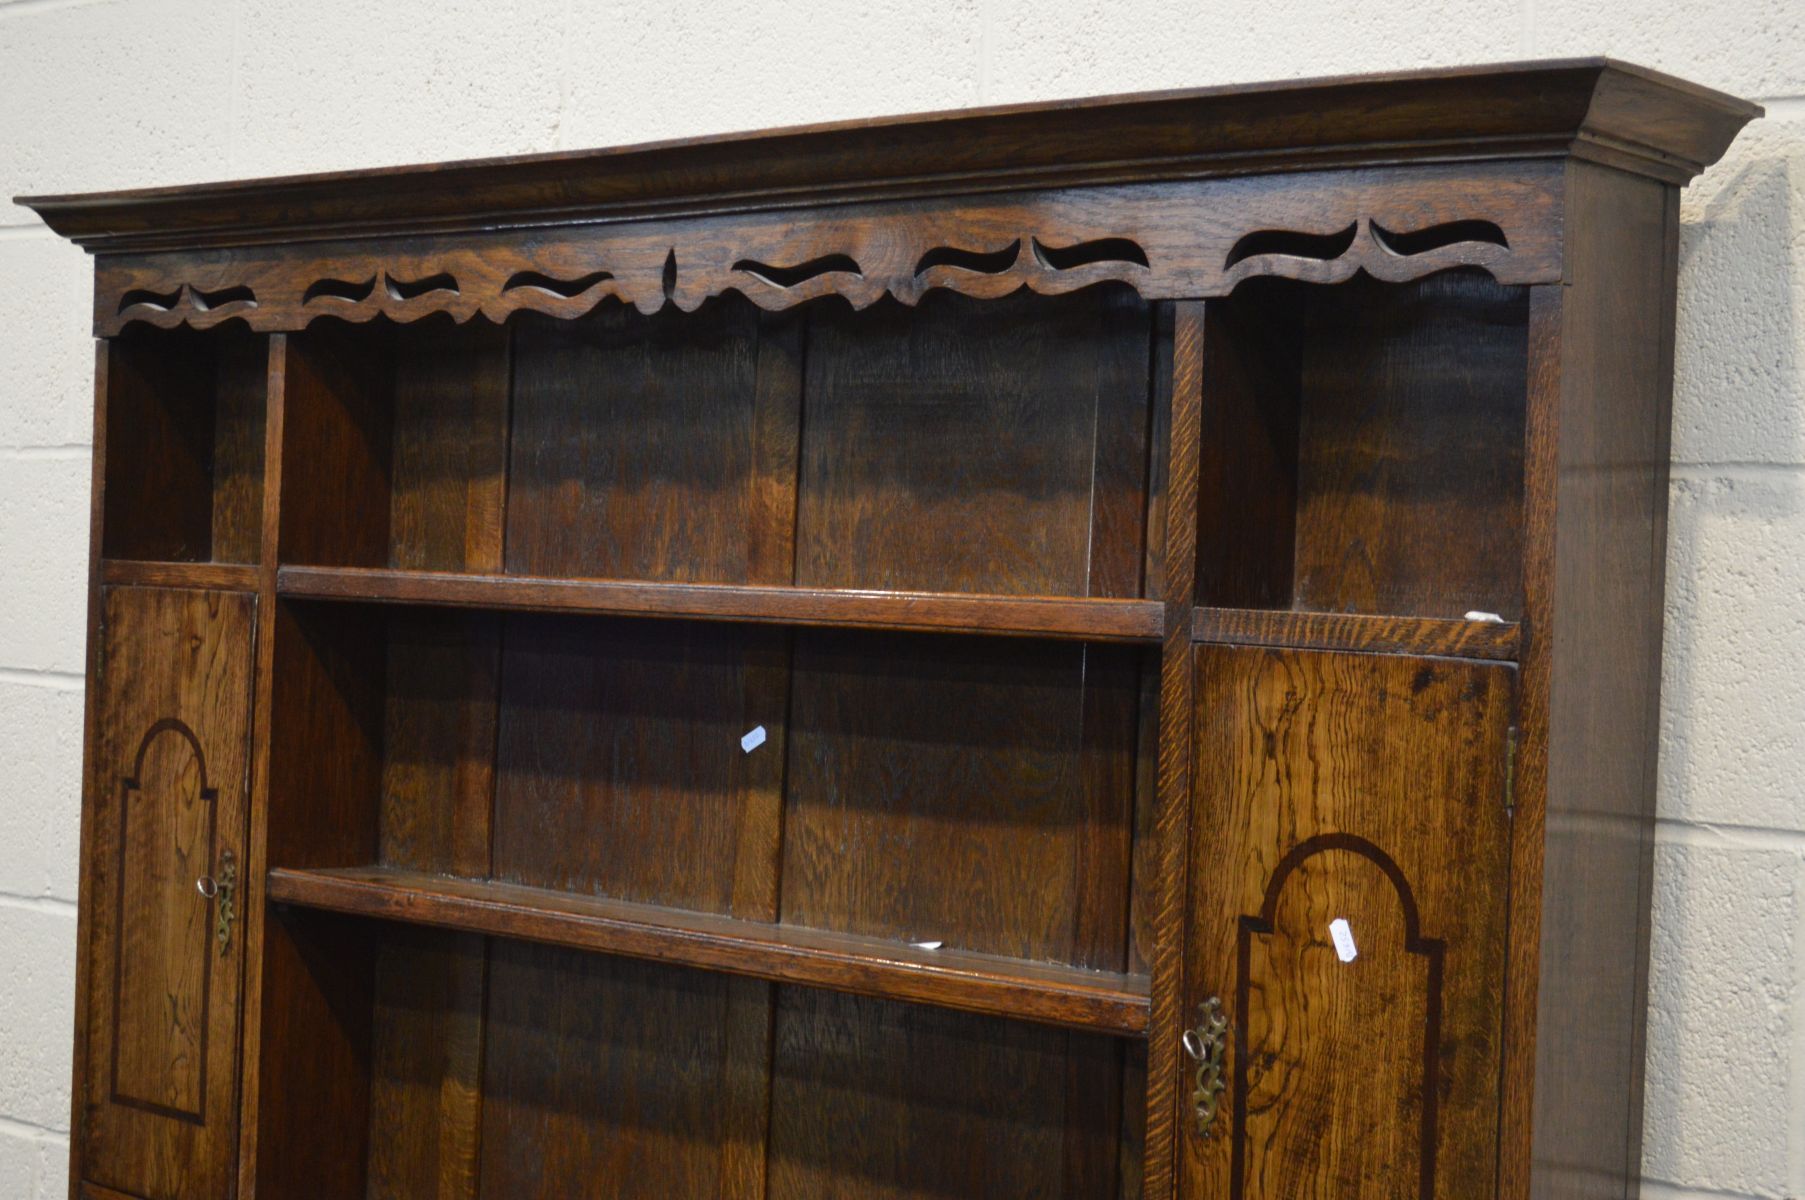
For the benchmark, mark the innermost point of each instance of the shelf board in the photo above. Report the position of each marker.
(1356, 631)
(240, 577)
(950, 612)
(980, 983)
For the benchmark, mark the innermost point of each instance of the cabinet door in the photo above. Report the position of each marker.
(1347, 897)
(164, 953)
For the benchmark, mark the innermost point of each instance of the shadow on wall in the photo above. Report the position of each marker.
(1727, 907)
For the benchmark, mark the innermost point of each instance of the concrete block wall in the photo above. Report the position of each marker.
(114, 93)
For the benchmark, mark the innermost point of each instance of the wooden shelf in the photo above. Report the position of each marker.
(1355, 631)
(981, 983)
(1021, 616)
(143, 573)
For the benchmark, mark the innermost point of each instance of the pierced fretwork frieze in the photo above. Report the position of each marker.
(1167, 241)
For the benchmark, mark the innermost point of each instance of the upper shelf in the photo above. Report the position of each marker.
(1094, 620)
(1593, 108)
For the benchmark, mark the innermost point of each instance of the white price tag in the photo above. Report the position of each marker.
(754, 739)
(1343, 938)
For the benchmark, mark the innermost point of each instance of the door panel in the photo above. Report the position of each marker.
(1347, 904)
(159, 1110)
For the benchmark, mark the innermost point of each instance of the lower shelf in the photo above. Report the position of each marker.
(1072, 997)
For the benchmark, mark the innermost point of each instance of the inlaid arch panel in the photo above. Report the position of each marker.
(1352, 922)
(1371, 996)
(161, 968)
(1180, 239)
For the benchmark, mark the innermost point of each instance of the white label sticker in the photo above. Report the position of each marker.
(754, 739)
(1487, 618)
(927, 945)
(1344, 939)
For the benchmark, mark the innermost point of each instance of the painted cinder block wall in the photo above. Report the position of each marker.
(117, 93)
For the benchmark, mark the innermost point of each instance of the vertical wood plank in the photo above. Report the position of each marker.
(771, 559)
(86, 896)
(976, 446)
(1171, 817)
(447, 480)
(241, 383)
(269, 520)
(1598, 478)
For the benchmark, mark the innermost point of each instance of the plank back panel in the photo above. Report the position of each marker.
(888, 1101)
(1410, 463)
(981, 446)
(1008, 765)
(654, 447)
(610, 1079)
(620, 768)
(428, 987)
(450, 419)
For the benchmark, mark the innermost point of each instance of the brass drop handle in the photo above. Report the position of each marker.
(222, 891)
(1204, 1043)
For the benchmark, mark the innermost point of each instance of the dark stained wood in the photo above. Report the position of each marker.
(1592, 107)
(653, 448)
(87, 899)
(158, 1111)
(1247, 484)
(437, 798)
(192, 409)
(606, 1078)
(877, 1099)
(621, 772)
(973, 982)
(1369, 789)
(439, 732)
(450, 423)
(1099, 620)
(337, 432)
(1602, 365)
(414, 425)
(312, 1059)
(976, 757)
(426, 1065)
(240, 380)
(907, 441)
(224, 577)
(251, 889)
(1410, 493)
(911, 418)
(1355, 631)
(1167, 240)
(1168, 840)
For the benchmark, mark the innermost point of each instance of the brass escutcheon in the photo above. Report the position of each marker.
(223, 891)
(1204, 1043)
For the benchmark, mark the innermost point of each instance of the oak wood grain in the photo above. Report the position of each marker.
(1166, 240)
(1006, 764)
(1593, 107)
(914, 421)
(873, 1098)
(1357, 631)
(973, 982)
(1088, 619)
(160, 1104)
(224, 577)
(1368, 789)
